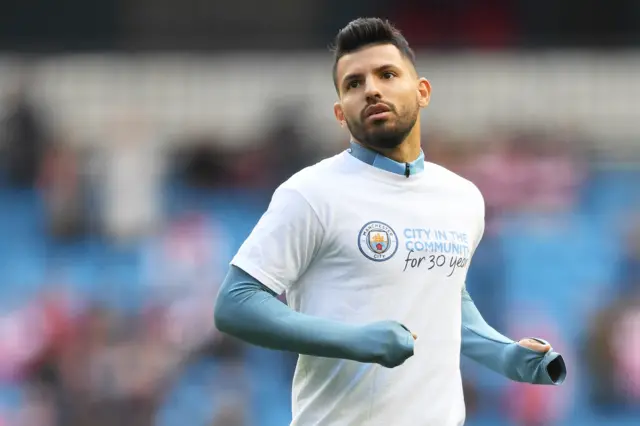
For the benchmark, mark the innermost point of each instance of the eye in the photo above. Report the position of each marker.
(387, 75)
(353, 84)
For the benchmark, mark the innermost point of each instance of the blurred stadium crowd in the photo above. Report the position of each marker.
(114, 240)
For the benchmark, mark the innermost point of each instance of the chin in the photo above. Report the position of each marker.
(384, 143)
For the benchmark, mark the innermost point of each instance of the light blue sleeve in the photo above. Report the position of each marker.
(248, 310)
(483, 344)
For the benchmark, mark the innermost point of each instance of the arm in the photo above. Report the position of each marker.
(250, 311)
(486, 346)
(272, 259)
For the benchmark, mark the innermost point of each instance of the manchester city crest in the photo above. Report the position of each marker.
(377, 241)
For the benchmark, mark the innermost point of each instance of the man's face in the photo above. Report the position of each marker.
(380, 95)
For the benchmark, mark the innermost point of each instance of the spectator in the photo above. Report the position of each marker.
(23, 136)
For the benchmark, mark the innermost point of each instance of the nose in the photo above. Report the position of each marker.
(372, 91)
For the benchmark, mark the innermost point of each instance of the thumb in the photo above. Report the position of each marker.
(535, 345)
(414, 335)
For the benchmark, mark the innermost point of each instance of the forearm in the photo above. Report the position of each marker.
(250, 311)
(480, 342)
(486, 346)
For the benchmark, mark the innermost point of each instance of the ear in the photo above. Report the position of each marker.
(424, 92)
(337, 111)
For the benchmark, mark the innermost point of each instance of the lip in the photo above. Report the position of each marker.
(379, 116)
(377, 110)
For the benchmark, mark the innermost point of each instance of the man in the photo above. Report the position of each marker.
(372, 248)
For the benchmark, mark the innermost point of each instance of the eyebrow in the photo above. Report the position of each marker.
(354, 76)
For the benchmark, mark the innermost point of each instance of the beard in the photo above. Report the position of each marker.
(384, 133)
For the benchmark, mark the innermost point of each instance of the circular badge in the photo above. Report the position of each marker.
(377, 241)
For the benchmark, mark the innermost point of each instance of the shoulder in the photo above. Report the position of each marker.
(456, 183)
(315, 182)
(469, 194)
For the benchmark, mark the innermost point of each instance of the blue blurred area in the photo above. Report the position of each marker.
(566, 268)
(140, 141)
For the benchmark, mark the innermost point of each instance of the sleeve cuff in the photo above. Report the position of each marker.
(554, 369)
(529, 366)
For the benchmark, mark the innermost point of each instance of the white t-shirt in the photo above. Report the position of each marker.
(351, 242)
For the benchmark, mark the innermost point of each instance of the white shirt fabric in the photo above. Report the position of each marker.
(338, 239)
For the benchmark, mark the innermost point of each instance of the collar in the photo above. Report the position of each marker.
(375, 159)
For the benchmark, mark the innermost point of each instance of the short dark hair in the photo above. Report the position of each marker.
(363, 32)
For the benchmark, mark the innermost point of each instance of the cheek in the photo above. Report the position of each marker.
(410, 101)
(351, 113)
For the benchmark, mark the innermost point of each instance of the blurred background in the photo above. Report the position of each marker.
(141, 141)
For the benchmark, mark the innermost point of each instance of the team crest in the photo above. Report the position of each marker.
(377, 241)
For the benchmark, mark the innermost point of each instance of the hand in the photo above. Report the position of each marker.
(533, 361)
(388, 343)
(535, 345)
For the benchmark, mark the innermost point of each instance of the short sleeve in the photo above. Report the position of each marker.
(283, 243)
(480, 224)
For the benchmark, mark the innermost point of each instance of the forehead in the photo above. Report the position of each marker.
(370, 58)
